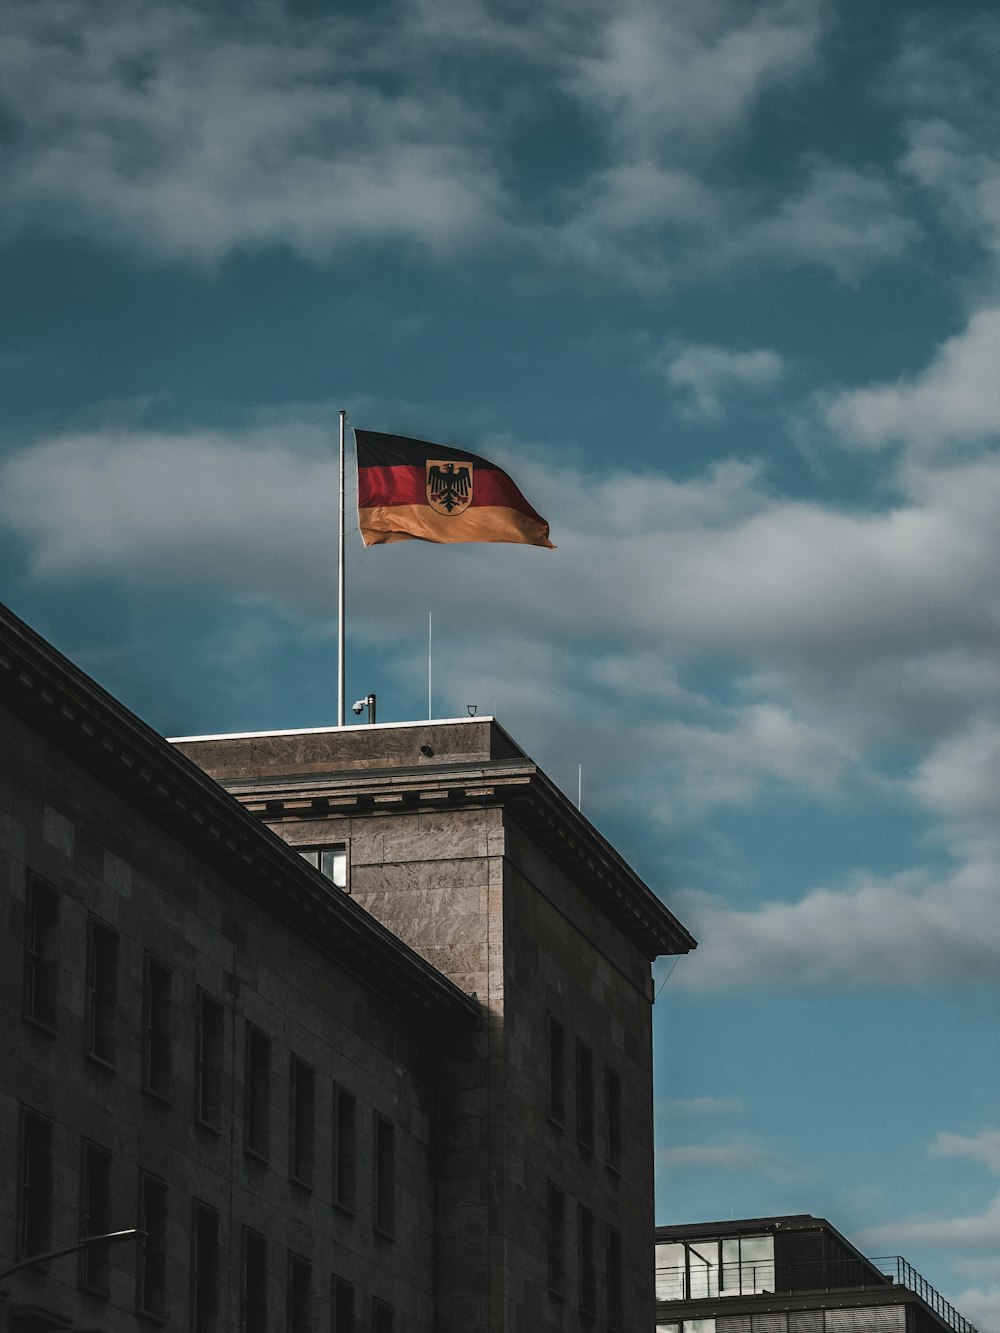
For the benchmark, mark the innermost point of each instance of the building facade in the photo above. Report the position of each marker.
(792, 1274)
(393, 1076)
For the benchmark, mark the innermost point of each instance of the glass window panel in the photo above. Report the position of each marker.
(333, 864)
(703, 1269)
(669, 1272)
(699, 1326)
(757, 1264)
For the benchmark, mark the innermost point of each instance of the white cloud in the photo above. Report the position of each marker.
(955, 400)
(194, 510)
(958, 783)
(697, 1106)
(708, 373)
(975, 1232)
(692, 70)
(841, 218)
(742, 1155)
(982, 1306)
(177, 132)
(173, 131)
(983, 1147)
(908, 931)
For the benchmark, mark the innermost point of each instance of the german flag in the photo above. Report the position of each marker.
(410, 490)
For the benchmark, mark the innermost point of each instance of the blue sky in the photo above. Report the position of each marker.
(718, 283)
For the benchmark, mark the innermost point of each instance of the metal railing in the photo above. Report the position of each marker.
(757, 1279)
(905, 1275)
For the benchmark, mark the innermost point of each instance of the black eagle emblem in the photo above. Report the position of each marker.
(449, 485)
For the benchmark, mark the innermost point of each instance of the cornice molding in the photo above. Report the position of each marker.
(518, 786)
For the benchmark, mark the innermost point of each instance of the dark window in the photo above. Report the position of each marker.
(204, 1269)
(299, 1294)
(151, 1270)
(253, 1288)
(211, 1035)
(330, 861)
(614, 1279)
(557, 1241)
(613, 1117)
(301, 1121)
(257, 1094)
(41, 955)
(345, 1113)
(383, 1317)
(588, 1262)
(34, 1179)
(584, 1096)
(385, 1175)
(95, 1218)
(157, 1046)
(342, 1302)
(557, 1072)
(102, 992)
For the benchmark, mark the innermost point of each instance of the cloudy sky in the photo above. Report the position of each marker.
(718, 281)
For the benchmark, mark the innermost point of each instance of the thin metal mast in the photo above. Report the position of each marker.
(341, 692)
(430, 658)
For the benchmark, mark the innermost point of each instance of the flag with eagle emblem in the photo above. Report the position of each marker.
(410, 490)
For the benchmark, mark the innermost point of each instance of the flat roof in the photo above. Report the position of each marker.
(350, 726)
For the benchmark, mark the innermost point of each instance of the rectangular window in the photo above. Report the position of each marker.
(102, 992)
(584, 1096)
(588, 1262)
(342, 1303)
(385, 1175)
(557, 1241)
(34, 1181)
(615, 1281)
(557, 1072)
(253, 1283)
(257, 1094)
(157, 1044)
(299, 1294)
(151, 1269)
(383, 1317)
(301, 1121)
(210, 1040)
(345, 1114)
(41, 955)
(330, 861)
(613, 1118)
(95, 1218)
(204, 1269)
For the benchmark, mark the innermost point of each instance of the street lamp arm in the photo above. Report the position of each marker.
(71, 1249)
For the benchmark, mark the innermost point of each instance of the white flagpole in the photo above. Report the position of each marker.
(430, 622)
(341, 693)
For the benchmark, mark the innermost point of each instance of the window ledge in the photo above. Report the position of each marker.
(110, 1065)
(48, 1028)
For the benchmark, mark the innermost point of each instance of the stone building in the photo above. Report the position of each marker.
(393, 1077)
